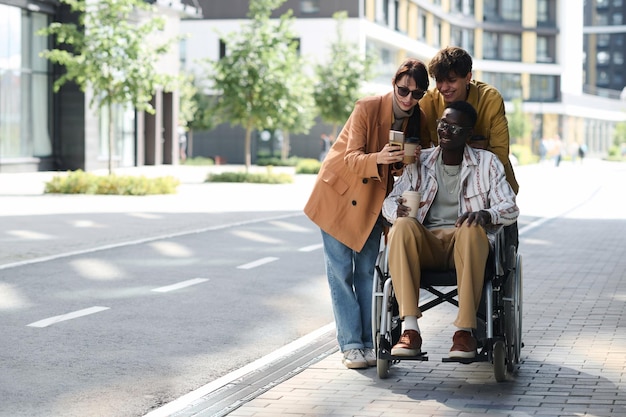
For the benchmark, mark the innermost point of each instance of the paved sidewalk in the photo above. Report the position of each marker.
(574, 359)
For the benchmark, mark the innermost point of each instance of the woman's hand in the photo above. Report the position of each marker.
(389, 155)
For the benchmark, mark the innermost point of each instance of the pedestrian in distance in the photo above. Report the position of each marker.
(346, 202)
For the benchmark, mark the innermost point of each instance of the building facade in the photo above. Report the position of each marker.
(42, 130)
(531, 50)
(605, 47)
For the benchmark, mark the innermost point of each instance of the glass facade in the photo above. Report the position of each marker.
(24, 86)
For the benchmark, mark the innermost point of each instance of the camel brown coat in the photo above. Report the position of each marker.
(350, 188)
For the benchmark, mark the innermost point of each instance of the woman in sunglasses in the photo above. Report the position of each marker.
(346, 202)
(451, 68)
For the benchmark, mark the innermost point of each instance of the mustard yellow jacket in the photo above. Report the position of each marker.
(491, 123)
(350, 188)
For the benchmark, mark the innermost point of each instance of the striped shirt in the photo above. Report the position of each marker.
(483, 186)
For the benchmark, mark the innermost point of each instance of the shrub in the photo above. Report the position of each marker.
(308, 166)
(276, 161)
(258, 178)
(199, 160)
(80, 182)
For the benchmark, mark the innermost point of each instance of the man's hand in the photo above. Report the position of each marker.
(403, 211)
(476, 218)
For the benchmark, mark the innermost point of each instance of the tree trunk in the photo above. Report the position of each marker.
(284, 151)
(247, 148)
(111, 137)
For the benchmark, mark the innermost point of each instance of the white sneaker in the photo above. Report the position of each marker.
(353, 359)
(370, 356)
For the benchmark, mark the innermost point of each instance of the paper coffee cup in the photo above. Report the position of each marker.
(412, 201)
(409, 152)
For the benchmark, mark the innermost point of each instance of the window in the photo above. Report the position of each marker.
(498, 10)
(421, 29)
(603, 40)
(603, 58)
(464, 7)
(602, 19)
(505, 46)
(25, 85)
(436, 41)
(463, 38)
(616, 19)
(543, 88)
(222, 49)
(545, 49)
(309, 6)
(509, 85)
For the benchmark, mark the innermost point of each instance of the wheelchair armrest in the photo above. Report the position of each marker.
(497, 239)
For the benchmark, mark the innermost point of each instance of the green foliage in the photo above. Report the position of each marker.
(260, 82)
(258, 178)
(524, 154)
(188, 107)
(619, 135)
(199, 160)
(308, 166)
(80, 182)
(277, 161)
(109, 52)
(519, 126)
(339, 81)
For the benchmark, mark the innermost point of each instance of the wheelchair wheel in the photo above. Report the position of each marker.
(499, 361)
(513, 312)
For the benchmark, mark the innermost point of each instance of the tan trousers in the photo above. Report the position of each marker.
(413, 247)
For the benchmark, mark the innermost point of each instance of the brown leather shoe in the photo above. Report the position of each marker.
(410, 344)
(463, 345)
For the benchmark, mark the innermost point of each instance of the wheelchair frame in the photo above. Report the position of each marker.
(499, 317)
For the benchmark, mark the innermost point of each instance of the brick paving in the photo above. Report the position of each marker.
(574, 329)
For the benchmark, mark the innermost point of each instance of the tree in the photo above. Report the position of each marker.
(339, 80)
(259, 84)
(519, 126)
(108, 52)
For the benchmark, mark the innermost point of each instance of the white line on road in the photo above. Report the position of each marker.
(182, 284)
(258, 262)
(63, 317)
(144, 240)
(311, 248)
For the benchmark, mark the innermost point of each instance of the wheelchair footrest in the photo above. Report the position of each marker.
(483, 356)
(383, 354)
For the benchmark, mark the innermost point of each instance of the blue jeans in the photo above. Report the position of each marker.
(350, 278)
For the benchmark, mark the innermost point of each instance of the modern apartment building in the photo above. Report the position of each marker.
(42, 130)
(531, 50)
(605, 47)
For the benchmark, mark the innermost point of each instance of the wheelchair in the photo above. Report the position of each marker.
(499, 316)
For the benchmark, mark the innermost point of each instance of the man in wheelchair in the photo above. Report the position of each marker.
(463, 191)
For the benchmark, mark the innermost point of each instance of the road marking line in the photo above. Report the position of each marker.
(144, 240)
(258, 262)
(63, 317)
(311, 248)
(180, 285)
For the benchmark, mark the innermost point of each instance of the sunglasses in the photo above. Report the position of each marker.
(454, 129)
(416, 94)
